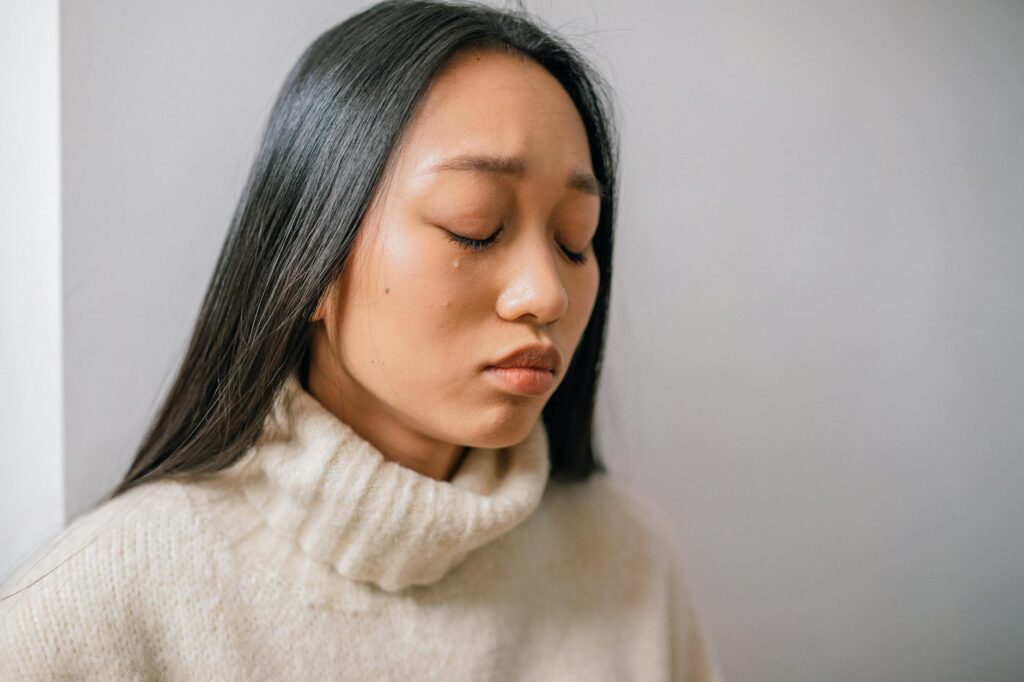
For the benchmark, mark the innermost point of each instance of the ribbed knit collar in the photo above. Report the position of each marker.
(319, 484)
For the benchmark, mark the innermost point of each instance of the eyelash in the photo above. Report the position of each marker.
(480, 244)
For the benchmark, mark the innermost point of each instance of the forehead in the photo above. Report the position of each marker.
(488, 102)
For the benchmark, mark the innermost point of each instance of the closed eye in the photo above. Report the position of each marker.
(474, 244)
(577, 258)
(480, 244)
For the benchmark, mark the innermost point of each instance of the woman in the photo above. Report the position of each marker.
(376, 460)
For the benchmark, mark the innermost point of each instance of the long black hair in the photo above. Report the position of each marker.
(328, 141)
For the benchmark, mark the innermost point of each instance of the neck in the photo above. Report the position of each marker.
(457, 463)
(376, 422)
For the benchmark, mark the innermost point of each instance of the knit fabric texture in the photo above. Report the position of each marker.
(316, 558)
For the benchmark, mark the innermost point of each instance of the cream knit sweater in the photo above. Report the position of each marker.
(315, 558)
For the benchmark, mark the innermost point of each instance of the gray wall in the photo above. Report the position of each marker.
(31, 435)
(813, 363)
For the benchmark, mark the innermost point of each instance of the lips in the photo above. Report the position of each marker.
(534, 356)
(525, 380)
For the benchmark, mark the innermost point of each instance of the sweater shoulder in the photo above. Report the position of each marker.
(633, 559)
(91, 537)
(610, 514)
(75, 596)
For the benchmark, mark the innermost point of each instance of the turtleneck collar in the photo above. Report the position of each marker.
(319, 484)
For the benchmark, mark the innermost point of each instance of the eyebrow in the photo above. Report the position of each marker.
(516, 166)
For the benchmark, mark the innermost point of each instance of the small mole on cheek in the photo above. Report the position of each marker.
(386, 290)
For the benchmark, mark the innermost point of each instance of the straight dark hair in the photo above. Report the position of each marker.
(332, 130)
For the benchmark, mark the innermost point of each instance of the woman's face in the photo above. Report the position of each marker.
(416, 318)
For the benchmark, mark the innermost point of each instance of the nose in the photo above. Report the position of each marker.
(534, 286)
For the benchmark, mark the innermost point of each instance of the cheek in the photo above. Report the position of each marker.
(420, 272)
(410, 319)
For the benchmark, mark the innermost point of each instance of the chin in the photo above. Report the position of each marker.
(500, 426)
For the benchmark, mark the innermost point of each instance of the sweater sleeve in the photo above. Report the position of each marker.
(694, 658)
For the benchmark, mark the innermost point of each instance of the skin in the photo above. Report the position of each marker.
(401, 340)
